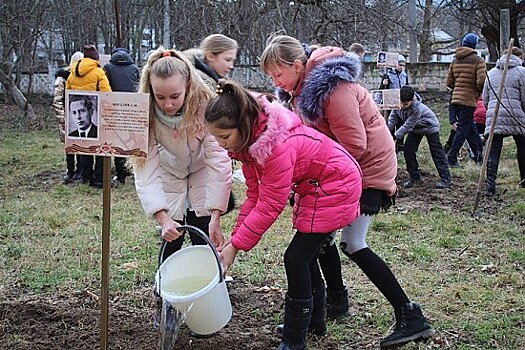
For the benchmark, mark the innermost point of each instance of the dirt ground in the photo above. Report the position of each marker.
(38, 322)
(72, 321)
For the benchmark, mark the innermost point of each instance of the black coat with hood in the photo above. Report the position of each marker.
(123, 74)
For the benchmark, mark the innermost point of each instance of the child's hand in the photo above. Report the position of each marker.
(224, 245)
(228, 255)
(170, 230)
(169, 227)
(216, 235)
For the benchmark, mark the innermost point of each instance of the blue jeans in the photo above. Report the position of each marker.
(436, 151)
(494, 155)
(466, 130)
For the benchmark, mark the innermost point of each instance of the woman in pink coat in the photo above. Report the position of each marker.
(279, 153)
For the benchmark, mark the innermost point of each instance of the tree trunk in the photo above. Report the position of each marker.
(18, 97)
(425, 39)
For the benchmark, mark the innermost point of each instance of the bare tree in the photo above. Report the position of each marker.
(485, 15)
(21, 25)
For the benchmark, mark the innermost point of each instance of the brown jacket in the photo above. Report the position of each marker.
(466, 76)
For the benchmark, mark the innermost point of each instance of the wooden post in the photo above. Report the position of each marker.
(504, 29)
(488, 144)
(104, 276)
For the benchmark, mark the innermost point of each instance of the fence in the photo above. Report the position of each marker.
(422, 77)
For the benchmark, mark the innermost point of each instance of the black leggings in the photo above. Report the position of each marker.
(202, 223)
(300, 262)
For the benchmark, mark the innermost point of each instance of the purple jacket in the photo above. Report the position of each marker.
(284, 155)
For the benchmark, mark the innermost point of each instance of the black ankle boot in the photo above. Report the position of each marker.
(411, 325)
(336, 302)
(317, 324)
(297, 315)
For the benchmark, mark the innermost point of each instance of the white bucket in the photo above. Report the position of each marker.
(208, 309)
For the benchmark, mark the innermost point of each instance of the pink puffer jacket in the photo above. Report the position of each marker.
(286, 154)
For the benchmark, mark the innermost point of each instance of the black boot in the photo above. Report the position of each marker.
(492, 171)
(411, 325)
(317, 324)
(336, 302)
(297, 315)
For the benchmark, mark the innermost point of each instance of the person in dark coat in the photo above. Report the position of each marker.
(465, 78)
(123, 75)
(416, 121)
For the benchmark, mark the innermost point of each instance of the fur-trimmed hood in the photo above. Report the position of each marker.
(322, 80)
(273, 127)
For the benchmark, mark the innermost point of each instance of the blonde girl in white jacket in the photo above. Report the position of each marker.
(186, 178)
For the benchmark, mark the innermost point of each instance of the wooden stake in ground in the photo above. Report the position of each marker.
(488, 144)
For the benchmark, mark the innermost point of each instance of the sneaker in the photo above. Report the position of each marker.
(77, 176)
(336, 303)
(411, 325)
(116, 182)
(443, 183)
(411, 183)
(490, 191)
(68, 179)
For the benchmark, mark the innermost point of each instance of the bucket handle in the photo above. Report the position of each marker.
(198, 232)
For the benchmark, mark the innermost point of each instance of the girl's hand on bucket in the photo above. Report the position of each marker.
(224, 245)
(216, 235)
(170, 232)
(228, 255)
(169, 227)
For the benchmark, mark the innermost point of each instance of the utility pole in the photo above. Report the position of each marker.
(117, 23)
(504, 29)
(413, 35)
(166, 38)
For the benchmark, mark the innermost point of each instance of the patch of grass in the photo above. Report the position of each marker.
(467, 272)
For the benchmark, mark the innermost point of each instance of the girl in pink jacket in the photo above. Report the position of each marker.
(322, 85)
(279, 153)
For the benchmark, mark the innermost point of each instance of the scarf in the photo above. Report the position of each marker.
(172, 122)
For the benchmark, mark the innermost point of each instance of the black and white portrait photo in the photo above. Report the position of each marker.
(82, 116)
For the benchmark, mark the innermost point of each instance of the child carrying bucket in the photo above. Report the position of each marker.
(186, 178)
(279, 153)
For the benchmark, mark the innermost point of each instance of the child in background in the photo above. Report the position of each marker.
(214, 59)
(277, 153)
(418, 121)
(480, 116)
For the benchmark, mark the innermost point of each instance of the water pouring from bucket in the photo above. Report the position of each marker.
(191, 283)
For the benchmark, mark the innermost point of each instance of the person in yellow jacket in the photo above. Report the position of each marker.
(86, 74)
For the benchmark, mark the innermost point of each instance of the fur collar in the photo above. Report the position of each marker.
(322, 80)
(273, 127)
